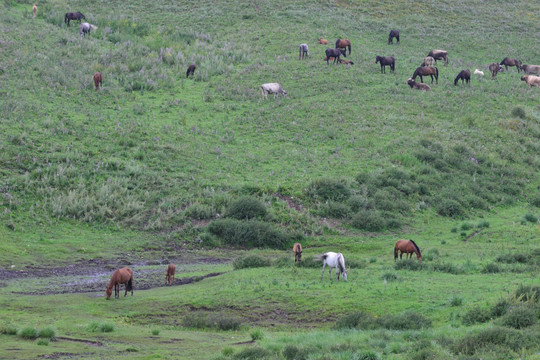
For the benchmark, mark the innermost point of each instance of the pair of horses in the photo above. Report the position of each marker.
(125, 276)
(332, 259)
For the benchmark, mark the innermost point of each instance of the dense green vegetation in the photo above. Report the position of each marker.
(156, 168)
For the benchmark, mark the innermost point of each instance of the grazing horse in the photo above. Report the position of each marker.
(334, 260)
(425, 71)
(98, 81)
(191, 70)
(171, 269)
(531, 69)
(408, 247)
(323, 41)
(343, 44)
(419, 86)
(439, 55)
(73, 16)
(34, 10)
(393, 34)
(384, 61)
(511, 62)
(531, 80)
(334, 53)
(495, 68)
(464, 75)
(85, 28)
(428, 61)
(304, 51)
(120, 276)
(297, 249)
(272, 88)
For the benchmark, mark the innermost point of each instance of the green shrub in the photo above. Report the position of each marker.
(491, 269)
(483, 224)
(28, 333)
(357, 203)
(449, 207)
(100, 327)
(283, 261)
(446, 268)
(250, 261)
(519, 112)
(367, 355)
(513, 258)
(527, 293)
(257, 334)
(47, 333)
(500, 308)
(357, 320)
(246, 208)
(336, 210)
(252, 353)
(155, 332)
(456, 301)
(389, 277)
(251, 233)
(407, 321)
(466, 226)
(328, 189)
(196, 320)
(510, 338)
(293, 352)
(530, 218)
(369, 220)
(310, 262)
(535, 201)
(476, 315)
(8, 330)
(200, 212)
(223, 321)
(43, 342)
(408, 264)
(519, 317)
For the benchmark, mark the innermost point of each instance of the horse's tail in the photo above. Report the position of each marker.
(130, 284)
(337, 43)
(415, 74)
(349, 49)
(66, 18)
(437, 74)
(320, 257)
(416, 247)
(395, 252)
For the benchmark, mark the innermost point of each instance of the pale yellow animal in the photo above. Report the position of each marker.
(531, 80)
(34, 10)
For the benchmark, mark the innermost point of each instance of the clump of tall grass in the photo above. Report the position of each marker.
(251, 261)
(202, 320)
(405, 321)
(251, 233)
(100, 327)
(328, 189)
(28, 333)
(246, 208)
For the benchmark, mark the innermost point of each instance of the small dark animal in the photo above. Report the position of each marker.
(191, 70)
(120, 276)
(464, 75)
(408, 247)
(495, 68)
(385, 61)
(73, 16)
(335, 53)
(98, 81)
(171, 269)
(304, 51)
(511, 62)
(323, 41)
(343, 44)
(346, 62)
(439, 55)
(297, 249)
(531, 69)
(425, 71)
(393, 34)
(419, 86)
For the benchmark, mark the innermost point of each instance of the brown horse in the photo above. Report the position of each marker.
(464, 75)
(120, 276)
(384, 61)
(73, 16)
(34, 10)
(343, 44)
(191, 70)
(439, 55)
(408, 247)
(297, 249)
(511, 62)
(98, 80)
(171, 269)
(495, 69)
(323, 41)
(425, 71)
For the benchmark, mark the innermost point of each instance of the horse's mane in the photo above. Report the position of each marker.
(417, 248)
(337, 42)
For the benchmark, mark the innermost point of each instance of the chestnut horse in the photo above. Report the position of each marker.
(343, 44)
(34, 10)
(408, 247)
(323, 41)
(120, 276)
(297, 248)
(425, 71)
(171, 269)
(98, 81)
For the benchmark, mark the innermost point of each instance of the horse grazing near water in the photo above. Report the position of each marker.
(393, 34)
(495, 68)
(304, 51)
(343, 44)
(334, 53)
(425, 71)
(171, 269)
(120, 276)
(297, 249)
(98, 81)
(463, 75)
(85, 29)
(511, 62)
(191, 70)
(385, 61)
(323, 41)
(73, 16)
(408, 247)
(334, 260)
(439, 55)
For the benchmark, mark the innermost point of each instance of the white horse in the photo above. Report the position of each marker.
(334, 260)
(85, 28)
(304, 51)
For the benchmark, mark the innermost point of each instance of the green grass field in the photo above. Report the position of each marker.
(157, 168)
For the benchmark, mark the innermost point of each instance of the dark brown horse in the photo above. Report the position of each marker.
(511, 62)
(171, 269)
(408, 247)
(385, 61)
(425, 71)
(98, 81)
(393, 34)
(439, 55)
(335, 53)
(343, 44)
(120, 276)
(464, 75)
(73, 16)
(297, 249)
(191, 70)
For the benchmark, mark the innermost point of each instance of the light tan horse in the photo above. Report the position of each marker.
(34, 11)
(297, 249)
(171, 269)
(408, 247)
(120, 276)
(323, 41)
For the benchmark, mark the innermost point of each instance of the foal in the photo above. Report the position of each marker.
(297, 249)
(171, 269)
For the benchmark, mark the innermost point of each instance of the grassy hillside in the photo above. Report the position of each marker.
(155, 167)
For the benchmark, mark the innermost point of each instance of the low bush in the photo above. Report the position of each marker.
(336, 210)
(357, 320)
(257, 334)
(310, 262)
(513, 258)
(246, 208)
(43, 342)
(200, 212)
(367, 355)
(527, 293)
(100, 327)
(195, 319)
(252, 353)
(500, 308)
(328, 189)
(519, 112)
(250, 261)
(28, 333)
(407, 321)
(535, 200)
(369, 220)
(155, 332)
(530, 218)
(251, 233)
(47, 333)
(390, 277)
(491, 268)
(456, 301)
(476, 315)
(357, 203)
(203, 320)
(519, 317)
(8, 330)
(449, 207)
(283, 261)
(509, 338)
(446, 268)
(293, 352)
(483, 224)
(408, 264)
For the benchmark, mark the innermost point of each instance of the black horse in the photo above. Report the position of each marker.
(425, 71)
(73, 16)
(335, 53)
(191, 70)
(384, 61)
(393, 34)
(464, 75)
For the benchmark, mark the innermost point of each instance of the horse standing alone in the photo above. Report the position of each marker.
(34, 10)
(343, 44)
(85, 28)
(120, 276)
(408, 247)
(393, 34)
(304, 51)
(191, 70)
(297, 249)
(334, 260)
(386, 61)
(171, 269)
(463, 75)
(98, 81)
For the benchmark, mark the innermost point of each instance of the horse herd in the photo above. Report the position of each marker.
(124, 276)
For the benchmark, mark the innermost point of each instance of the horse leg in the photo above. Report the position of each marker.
(126, 287)
(331, 268)
(324, 265)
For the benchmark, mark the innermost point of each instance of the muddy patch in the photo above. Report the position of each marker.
(57, 355)
(87, 342)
